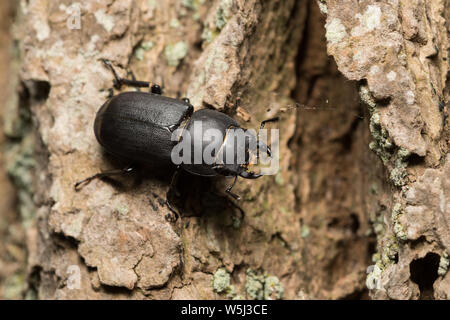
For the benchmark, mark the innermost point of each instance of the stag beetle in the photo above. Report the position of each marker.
(138, 127)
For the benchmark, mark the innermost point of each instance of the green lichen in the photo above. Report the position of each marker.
(221, 281)
(223, 13)
(323, 6)
(399, 230)
(209, 35)
(279, 179)
(374, 189)
(147, 45)
(254, 285)
(403, 154)
(373, 278)
(335, 31)
(368, 99)
(139, 54)
(389, 253)
(174, 23)
(175, 53)
(152, 4)
(444, 263)
(381, 145)
(14, 287)
(231, 292)
(273, 288)
(381, 261)
(304, 232)
(122, 209)
(189, 4)
(263, 286)
(375, 257)
(140, 51)
(194, 6)
(399, 174)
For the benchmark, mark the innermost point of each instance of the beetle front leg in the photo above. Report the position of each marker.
(220, 169)
(102, 175)
(118, 81)
(133, 77)
(228, 190)
(263, 123)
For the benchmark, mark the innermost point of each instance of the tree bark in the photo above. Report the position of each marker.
(310, 231)
(398, 51)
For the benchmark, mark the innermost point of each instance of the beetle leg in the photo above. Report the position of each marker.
(133, 77)
(118, 81)
(263, 123)
(102, 175)
(259, 144)
(110, 93)
(232, 204)
(228, 190)
(175, 214)
(250, 175)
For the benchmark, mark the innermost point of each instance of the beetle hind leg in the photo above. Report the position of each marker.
(101, 175)
(174, 215)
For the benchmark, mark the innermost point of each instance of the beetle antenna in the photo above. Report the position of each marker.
(117, 82)
(294, 105)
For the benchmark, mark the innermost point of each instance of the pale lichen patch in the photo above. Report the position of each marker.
(335, 31)
(391, 76)
(42, 30)
(263, 286)
(221, 280)
(104, 20)
(444, 263)
(369, 21)
(175, 53)
(323, 6)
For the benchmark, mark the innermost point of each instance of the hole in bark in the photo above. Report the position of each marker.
(416, 160)
(38, 89)
(354, 226)
(424, 272)
(418, 242)
(34, 280)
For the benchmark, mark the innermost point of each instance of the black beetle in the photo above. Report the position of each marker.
(138, 127)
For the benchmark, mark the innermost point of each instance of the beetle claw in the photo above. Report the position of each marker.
(173, 216)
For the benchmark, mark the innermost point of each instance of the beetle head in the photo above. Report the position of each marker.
(255, 149)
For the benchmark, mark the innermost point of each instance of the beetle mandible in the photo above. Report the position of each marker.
(138, 126)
